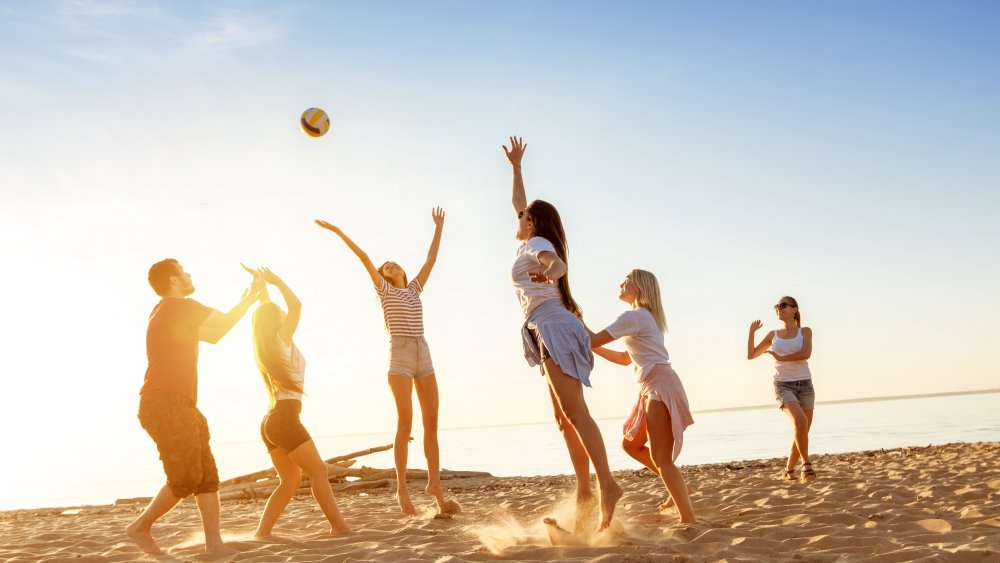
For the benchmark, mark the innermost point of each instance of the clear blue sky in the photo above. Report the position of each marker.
(843, 153)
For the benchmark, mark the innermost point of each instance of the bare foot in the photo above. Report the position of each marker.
(406, 505)
(261, 535)
(143, 537)
(609, 498)
(666, 504)
(559, 536)
(220, 549)
(340, 530)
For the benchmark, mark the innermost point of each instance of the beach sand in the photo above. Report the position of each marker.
(936, 502)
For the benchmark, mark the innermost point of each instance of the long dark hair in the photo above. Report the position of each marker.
(274, 369)
(794, 303)
(549, 226)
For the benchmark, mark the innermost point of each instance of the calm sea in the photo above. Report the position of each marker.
(538, 449)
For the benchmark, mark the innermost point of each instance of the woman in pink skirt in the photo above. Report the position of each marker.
(661, 414)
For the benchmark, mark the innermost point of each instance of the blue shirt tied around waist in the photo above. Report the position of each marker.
(563, 336)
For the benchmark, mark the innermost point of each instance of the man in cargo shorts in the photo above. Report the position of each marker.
(167, 401)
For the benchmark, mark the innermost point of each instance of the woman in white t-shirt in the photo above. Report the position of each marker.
(661, 413)
(791, 347)
(410, 364)
(283, 370)
(554, 339)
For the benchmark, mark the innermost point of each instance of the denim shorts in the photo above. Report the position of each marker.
(800, 391)
(410, 357)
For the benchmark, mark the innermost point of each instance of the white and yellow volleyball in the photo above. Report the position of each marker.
(315, 122)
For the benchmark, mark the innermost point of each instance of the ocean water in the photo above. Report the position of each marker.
(538, 449)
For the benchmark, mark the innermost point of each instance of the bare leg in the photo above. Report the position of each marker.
(307, 457)
(289, 479)
(661, 447)
(140, 531)
(427, 396)
(800, 442)
(637, 450)
(569, 394)
(402, 390)
(208, 508)
(577, 453)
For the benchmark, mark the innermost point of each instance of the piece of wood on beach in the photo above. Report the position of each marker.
(342, 461)
(360, 453)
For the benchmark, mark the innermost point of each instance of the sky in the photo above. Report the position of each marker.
(841, 153)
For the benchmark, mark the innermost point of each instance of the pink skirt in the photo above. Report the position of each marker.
(661, 384)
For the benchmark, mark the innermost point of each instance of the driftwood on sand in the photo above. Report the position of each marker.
(341, 474)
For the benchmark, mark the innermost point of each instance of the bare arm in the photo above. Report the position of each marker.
(804, 353)
(432, 254)
(514, 155)
(554, 268)
(614, 356)
(755, 351)
(218, 324)
(365, 261)
(291, 322)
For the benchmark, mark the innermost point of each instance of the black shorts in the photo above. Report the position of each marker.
(180, 432)
(281, 427)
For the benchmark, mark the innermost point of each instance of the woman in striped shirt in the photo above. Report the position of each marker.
(409, 361)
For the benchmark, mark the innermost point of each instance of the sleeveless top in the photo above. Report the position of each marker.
(789, 371)
(293, 358)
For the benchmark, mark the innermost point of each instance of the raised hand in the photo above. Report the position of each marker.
(755, 326)
(269, 276)
(516, 151)
(438, 215)
(328, 226)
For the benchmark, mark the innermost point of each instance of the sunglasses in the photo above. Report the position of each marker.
(782, 305)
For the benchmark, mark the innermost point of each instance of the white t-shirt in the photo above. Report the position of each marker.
(642, 338)
(529, 293)
(296, 363)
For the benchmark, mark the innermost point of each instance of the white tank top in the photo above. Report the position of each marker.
(789, 371)
(296, 362)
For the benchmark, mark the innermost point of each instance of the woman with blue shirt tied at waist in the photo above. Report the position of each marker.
(661, 413)
(555, 339)
(790, 346)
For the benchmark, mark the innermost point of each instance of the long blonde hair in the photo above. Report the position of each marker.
(271, 362)
(649, 295)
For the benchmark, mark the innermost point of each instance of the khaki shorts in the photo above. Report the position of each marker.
(410, 357)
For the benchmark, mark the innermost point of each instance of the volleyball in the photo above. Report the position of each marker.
(315, 122)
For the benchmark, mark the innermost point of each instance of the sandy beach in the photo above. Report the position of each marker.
(906, 504)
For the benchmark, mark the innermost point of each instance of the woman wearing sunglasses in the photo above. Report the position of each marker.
(790, 346)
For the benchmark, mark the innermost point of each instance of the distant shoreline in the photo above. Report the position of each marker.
(751, 407)
(863, 400)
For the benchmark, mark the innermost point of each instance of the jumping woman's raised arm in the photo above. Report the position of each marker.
(365, 261)
(514, 155)
(438, 215)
